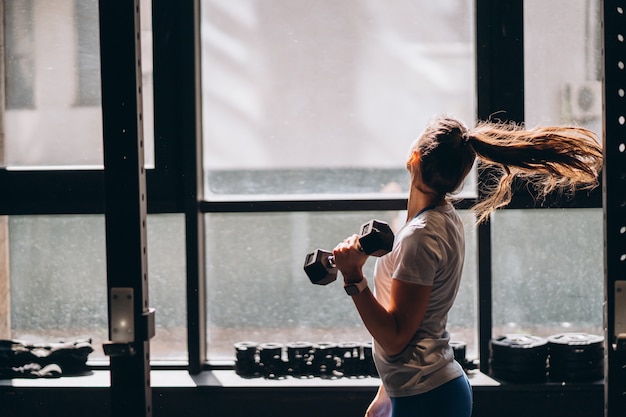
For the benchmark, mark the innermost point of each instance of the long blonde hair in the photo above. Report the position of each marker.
(549, 158)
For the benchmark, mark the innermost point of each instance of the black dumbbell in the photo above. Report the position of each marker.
(376, 239)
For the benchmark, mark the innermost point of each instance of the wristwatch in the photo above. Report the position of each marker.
(355, 287)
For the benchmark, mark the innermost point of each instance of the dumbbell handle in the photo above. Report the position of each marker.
(331, 261)
(331, 258)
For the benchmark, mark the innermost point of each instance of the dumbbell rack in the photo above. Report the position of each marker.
(308, 360)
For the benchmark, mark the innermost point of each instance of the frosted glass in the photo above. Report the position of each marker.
(548, 271)
(58, 287)
(257, 289)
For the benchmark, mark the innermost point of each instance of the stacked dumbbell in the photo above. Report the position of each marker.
(376, 239)
(304, 360)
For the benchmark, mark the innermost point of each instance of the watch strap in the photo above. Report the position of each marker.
(355, 287)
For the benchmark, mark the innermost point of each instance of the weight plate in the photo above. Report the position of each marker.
(575, 339)
(518, 341)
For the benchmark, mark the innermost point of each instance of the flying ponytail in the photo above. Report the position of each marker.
(550, 159)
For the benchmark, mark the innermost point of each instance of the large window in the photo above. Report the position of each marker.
(307, 112)
(316, 100)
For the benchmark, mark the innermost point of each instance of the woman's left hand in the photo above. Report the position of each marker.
(350, 258)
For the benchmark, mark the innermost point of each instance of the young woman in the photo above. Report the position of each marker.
(417, 282)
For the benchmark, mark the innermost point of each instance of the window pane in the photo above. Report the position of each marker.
(326, 97)
(168, 285)
(58, 288)
(58, 279)
(563, 63)
(53, 116)
(547, 271)
(258, 291)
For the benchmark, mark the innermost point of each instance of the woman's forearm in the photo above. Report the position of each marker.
(392, 326)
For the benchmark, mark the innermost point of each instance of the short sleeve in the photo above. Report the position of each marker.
(418, 257)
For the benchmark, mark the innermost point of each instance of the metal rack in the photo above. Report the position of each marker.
(614, 203)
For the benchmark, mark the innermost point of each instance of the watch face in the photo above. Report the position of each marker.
(351, 289)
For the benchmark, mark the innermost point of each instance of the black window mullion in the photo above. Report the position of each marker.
(178, 146)
(51, 192)
(266, 206)
(500, 95)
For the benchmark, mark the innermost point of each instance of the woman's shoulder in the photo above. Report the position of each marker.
(430, 220)
(430, 225)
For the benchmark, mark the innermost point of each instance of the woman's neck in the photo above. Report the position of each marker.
(419, 200)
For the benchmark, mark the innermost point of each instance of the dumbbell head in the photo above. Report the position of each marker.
(320, 268)
(376, 238)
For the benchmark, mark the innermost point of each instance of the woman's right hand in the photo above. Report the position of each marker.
(350, 258)
(380, 406)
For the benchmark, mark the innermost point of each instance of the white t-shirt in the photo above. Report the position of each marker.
(428, 250)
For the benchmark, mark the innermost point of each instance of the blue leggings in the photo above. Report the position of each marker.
(452, 399)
